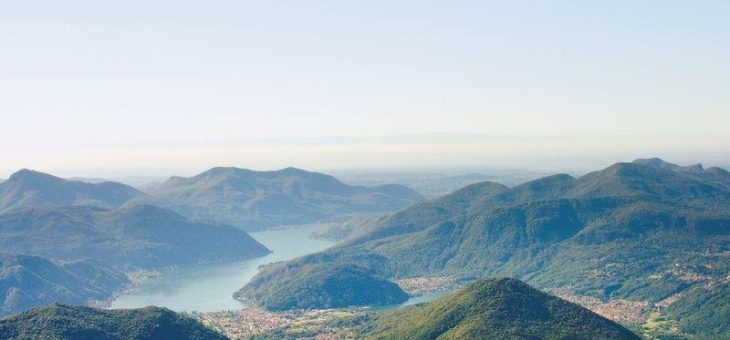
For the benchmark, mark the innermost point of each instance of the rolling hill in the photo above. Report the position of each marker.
(637, 231)
(63, 322)
(255, 200)
(321, 287)
(28, 281)
(32, 189)
(134, 236)
(495, 309)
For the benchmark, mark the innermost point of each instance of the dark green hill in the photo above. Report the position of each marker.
(704, 311)
(27, 281)
(321, 287)
(62, 322)
(260, 199)
(33, 189)
(633, 231)
(658, 215)
(135, 236)
(422, 215)
(495, 309)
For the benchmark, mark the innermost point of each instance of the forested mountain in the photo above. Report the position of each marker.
(495, 309)
(27, 281)
(703, 310)
(643, 231)
(62, 322)
(321, 286)
(259, 199)
(711, 174)
(33, 189)
(134, 236)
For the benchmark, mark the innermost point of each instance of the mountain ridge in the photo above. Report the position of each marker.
(608, 234)
(27, 281)
(132, 237)
(31, 189)
(255, 200)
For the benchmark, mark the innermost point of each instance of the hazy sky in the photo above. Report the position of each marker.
(174, 87)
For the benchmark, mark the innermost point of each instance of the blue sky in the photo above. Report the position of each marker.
(131, 87)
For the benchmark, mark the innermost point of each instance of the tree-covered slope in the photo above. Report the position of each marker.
(495, 309)
(321, 287)
(33, 189)
(63, 322)
(134, 236)
(704, 311)
(634, 231)
(259, 199)
(28, 281)
(658, 215)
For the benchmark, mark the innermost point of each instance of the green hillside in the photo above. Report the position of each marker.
(62, 322)
(495, 309)
(28, 281)
(321, 287)
(704, 311)
(631, 231)
(255, 200)
(134, 236)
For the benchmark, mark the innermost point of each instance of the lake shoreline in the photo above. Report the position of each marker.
(210, 287)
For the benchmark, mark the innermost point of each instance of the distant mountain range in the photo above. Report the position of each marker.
(33, 189)
(494, 309)
(647, 230)
(255, 200)
(63, 322)
(27, 281)
(134, 236)
(116, 226)
(434, 182)
(137, 182)
(252, 200)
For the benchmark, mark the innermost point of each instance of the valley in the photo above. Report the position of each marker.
(210, 288)
(642, 244)
(365, 170)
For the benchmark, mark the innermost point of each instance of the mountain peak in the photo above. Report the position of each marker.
(293, 170)
(486, 307)
(29, 188)
(661, 164)
(259, 199)
(221, 170)
(25, 174)
(655, 162)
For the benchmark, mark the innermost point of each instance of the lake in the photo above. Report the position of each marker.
(210, 288)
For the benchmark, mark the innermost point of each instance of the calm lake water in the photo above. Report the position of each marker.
(210, 288)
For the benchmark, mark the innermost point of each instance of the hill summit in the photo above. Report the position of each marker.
(62, 322)
(33, 189)
(495, 309)
(255, 200)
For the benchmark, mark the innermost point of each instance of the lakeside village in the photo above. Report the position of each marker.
(330, 324)
(314, 324)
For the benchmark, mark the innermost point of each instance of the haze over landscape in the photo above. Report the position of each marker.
(364, 170)
(173, 88)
